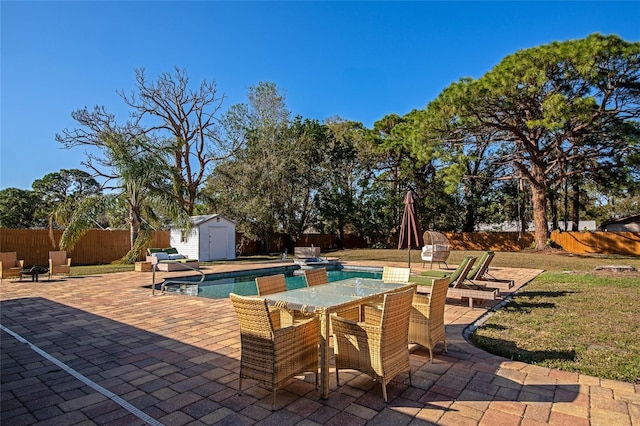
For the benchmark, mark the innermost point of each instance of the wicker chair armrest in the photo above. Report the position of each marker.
(347, 327)
(372, 314)
(310, 326)
(420, 299)
(420, 310)
(276, 317)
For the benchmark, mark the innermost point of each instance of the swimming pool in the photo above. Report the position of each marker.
(218, 286)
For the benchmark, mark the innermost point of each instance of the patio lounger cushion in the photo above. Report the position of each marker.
(168, 259)
(161, 256)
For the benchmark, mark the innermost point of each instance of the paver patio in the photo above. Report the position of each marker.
(102, 350)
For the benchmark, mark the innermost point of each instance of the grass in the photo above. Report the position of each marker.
(573, 322)
(567, 318)
(553, 261)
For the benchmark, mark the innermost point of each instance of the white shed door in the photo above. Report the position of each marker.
(218, 242)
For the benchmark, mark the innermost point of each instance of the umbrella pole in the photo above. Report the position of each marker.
(409, 255)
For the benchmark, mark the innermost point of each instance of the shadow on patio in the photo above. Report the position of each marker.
(175, 382)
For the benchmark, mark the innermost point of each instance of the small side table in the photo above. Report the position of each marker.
(143, 267)
(34, 272)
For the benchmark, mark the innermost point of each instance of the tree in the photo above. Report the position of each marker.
(139, 179)
(131, 168)
(400, 168)
(183, 123)
(552, 105)
(347, 157)
(248, 186)
(59, 191)
(305, 171)
(270, 184)
(17, 208)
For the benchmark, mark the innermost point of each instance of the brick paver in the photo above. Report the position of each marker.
(175, 360)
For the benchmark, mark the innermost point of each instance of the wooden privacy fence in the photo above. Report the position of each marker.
(598, 242)
(627, 243)
(496, 241)
(101, 247)
(95, 247)
(280, 241)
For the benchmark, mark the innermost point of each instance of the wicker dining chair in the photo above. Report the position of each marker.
(316, 276)
(270, 284)
(59, 263)
(392, 274)
(272, 355)
(10, 265)
(426, 322)
(378, 346)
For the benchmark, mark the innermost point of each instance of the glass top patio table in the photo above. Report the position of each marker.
(325, 299)
(332, 296)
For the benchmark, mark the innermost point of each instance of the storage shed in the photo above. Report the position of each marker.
(213, 237)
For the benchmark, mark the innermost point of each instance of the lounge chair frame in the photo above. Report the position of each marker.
(480, 275)
(460, 286)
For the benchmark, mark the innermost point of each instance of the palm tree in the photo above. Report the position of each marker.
(137, 172)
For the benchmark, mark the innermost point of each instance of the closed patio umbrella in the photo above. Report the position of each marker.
(410, 232)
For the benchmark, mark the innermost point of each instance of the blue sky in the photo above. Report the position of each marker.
(357, 60)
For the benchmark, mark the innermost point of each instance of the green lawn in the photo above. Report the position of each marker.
(573, 322)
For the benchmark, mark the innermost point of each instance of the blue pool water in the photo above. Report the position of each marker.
(219, 288)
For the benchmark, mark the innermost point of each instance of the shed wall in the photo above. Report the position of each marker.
(189, 246)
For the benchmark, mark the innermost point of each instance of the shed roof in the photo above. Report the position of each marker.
(199, 220)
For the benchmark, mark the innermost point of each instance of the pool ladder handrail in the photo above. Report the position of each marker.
(153, 279)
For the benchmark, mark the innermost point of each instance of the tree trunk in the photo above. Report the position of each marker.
(469, 220)
(541, 231)
(134, 228)
(341, 226)
(575, 205)
(539, 201)
(553, 203)
(566, 204)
